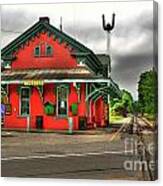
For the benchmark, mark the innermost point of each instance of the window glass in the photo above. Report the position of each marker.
(49, 51)
(62, 93)
(25, 93)
(37, 51)
(24, 102)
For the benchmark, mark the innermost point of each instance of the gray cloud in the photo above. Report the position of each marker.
(132, 61)
(127, 69)
(86, 32)
(16, 20)
(135, 25)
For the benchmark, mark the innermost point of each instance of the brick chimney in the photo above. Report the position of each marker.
(44, 19)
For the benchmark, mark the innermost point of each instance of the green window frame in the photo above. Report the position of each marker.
(49, 50)
(37, 51)
(7, 64)
(62, 101)
(24, 101)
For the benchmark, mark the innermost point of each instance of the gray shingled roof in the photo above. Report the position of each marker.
(41, 74)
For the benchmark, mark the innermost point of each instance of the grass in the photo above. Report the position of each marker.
(117, 119)
(150, 117)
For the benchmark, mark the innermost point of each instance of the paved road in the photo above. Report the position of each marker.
(95, 155)
(28, 144)
(102, 166)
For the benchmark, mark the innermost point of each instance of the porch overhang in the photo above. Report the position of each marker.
(58, 81)
(103, 85)
(103, 90)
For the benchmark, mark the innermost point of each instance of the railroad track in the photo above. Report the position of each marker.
(141, 125)
(143, 129)
(124, 128)
(138, 129)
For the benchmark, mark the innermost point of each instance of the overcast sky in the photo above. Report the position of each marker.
(131, 39)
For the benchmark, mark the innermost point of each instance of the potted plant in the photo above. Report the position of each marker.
(49, 108)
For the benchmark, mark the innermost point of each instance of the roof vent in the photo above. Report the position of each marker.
(44, 19)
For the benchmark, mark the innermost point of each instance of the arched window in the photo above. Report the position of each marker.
(37, 51)
(49, 50)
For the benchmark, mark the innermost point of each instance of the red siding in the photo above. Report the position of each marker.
(36, 108)
(82, 109)
(61, 55)
(14, 120)
(99, 112)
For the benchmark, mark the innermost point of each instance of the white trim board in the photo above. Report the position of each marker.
(60, 81)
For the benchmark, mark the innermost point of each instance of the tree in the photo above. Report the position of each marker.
(124, 105)
(147, 92)
(127, 101)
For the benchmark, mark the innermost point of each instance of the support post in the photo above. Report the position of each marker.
(28, 123)
(70, 124)
(108, 105)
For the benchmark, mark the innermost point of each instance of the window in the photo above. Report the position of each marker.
(49, 50)
(37, 51)
(7, 64)
(43, 50)
(24, 102)
(62, 102)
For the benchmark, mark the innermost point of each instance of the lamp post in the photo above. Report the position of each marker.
(108, 28)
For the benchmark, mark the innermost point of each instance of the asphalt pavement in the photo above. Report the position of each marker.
(90, 155)
(102, 166)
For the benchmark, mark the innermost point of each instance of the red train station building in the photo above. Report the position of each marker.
(50, 77)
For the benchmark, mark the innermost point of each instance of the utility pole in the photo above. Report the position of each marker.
(61, 27)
